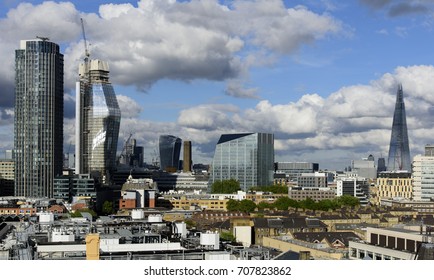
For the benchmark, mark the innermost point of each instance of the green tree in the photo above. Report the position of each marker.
(107, 207)
(283, 203)
(233, 205)
(308, 203)
(225, 186)
(348, 200)
(326, 204)
(246, 205)
(227, 236)
(264, 205)
(77, 213)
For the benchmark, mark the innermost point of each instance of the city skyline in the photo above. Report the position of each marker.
(321, 77)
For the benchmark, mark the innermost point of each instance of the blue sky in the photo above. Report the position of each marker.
(320, 75)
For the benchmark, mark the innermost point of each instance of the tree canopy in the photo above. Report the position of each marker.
(283, 203)
(244, 205)
(225, 186)
(107, 207)
(272, 189)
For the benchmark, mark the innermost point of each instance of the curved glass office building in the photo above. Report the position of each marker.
(97, 120)
(170, 149)
(247, 158)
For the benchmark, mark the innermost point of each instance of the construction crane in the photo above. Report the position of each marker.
(86, 50)
(155, 159)
(124, 148)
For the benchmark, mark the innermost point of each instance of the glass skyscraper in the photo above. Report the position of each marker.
(170, 149)
(399, 150)
(97, 120)
(247, 158)
(38, 135)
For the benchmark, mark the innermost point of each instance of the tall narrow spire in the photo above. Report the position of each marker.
(399, 151)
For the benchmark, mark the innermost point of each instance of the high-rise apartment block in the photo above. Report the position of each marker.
(170, 149)
(423, 175)
(399, 151)
(97, 120)
(247, 158)
(38, 122)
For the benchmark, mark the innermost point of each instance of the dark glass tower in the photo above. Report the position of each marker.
(170, 149)
(399, 151)
(38, 117)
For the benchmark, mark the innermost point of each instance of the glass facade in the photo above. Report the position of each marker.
(170, 149)
(399, 150)
(38, 135)
(98, 120)
(247, 158)
(68, 186)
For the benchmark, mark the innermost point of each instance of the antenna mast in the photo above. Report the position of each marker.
(86, 50)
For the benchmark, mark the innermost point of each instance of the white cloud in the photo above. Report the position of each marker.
(354, 121)
(165, 39)
(207, 117)
(178, 40)
(129, 107)
(235, 88)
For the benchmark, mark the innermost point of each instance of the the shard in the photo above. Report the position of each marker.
(399, 151)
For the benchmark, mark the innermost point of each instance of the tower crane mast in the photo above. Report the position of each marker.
(86, 50)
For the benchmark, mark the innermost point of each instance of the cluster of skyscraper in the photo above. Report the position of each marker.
(38, 152)
(39, 118)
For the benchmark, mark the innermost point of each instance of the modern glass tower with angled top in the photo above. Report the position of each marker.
(38, 136)
(247, 158)
(399, 150)
(170, 149)
(97, 120)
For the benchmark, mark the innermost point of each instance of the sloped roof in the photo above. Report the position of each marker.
(301, 222)
(229, 137)
(289, 255)
(331, 237)
(226, 224)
